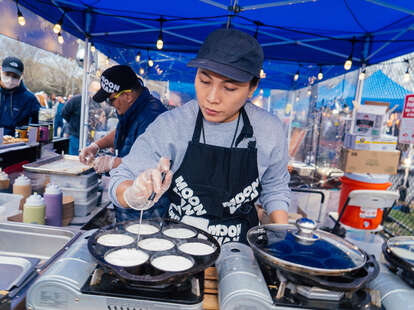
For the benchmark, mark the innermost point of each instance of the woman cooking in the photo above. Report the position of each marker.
(226, 152)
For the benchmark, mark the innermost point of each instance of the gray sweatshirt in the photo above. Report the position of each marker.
(169, 134)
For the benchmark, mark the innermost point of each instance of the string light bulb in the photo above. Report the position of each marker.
(320, 74)
(20, 18)
(58, 26)
(309, 92)
(60, 38)
(362, 74)
(406, 77)
(262, 74)
(107, 60)
(138, 57)
(348, 63)
(141, 71)
(150, 62)
(160, 42)
(296, 76)
(93, 48)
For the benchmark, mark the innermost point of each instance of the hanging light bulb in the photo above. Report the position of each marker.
(362, 75)
(141, 71)
(150, 62)
(60, 38)
(406, 76)
(58, 26)
(262, 74)
(160, 43)
(320, 74)
(296, 77)
(138, 57)
(93, 48)
(98, 73)
(348, 63)
(297, 98)
(107, 60)
(20, 18)
(309, 92)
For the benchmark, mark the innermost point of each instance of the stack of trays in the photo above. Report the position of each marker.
(162, 254)
(82, 188)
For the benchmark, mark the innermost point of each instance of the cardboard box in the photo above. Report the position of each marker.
(369, 120)
(362, 161)
(369, 143)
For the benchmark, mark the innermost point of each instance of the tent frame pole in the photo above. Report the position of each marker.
(83, 130)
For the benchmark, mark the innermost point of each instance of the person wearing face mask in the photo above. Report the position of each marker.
(215, 156)
(18, 106)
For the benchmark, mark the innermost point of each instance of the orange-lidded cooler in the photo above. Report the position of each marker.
(354, 216)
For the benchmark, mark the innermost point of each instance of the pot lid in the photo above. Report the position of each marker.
(304, 248)
(402, 247)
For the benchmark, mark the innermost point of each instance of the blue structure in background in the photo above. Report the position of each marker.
(379, 87)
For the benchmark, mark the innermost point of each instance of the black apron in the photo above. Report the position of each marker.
(215, 187)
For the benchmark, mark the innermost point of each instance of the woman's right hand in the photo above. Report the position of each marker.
(136, 196)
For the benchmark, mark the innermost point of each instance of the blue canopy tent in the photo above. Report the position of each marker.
(302, 36)
(304, 33)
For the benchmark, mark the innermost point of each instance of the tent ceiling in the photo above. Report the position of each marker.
(306, 32)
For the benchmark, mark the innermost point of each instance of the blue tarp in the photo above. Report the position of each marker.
(302, 35)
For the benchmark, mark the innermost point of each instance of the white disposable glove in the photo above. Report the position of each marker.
(149, 181)
(104, 163)
(87, 154)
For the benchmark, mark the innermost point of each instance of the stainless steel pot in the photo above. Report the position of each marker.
(304, 250)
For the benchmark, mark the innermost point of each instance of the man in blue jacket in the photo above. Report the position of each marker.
(136, 108)
(18, 106)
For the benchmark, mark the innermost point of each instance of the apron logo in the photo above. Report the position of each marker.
(224, 234)
(249, 193)
(190, 204)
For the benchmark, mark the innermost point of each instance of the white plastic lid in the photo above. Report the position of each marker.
(22, 180)
(35, 200)
(52, 189)
(3, 175)
(368, 177)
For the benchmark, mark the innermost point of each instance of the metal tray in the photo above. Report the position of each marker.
(59, 164)
(14, 270)
(35, 241)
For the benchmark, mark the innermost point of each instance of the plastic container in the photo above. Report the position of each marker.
(84, 208)
(4, 181)
(34, 210)
(53, 202)
(80, 195)
(75, 181)
(352, 215)
(11, 203)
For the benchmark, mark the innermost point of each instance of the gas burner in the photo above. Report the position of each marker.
(288, 294)
(188, 291)
(320, 299)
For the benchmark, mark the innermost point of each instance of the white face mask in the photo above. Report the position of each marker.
(9, 82)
